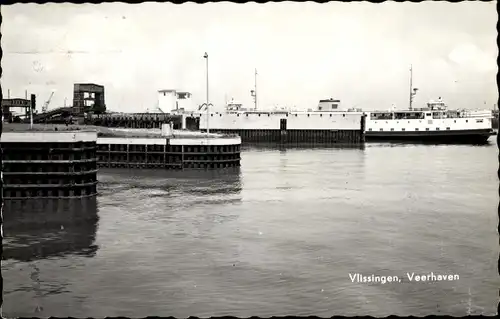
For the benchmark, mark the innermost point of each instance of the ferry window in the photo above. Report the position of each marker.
(321, 115)
(479, 121)
(447, 128)
(247, 114)
(455, 121)
(220, 115)
(237, 115)
(428, 114)
(416, 129)
(308, 115)
(295, 115)
(466, 121)
(343, 115)
(369, 129)
(392, 129)
(426, 128)
(211, 115)
(268, 115)
(259, 115)
(437, 128)
(403, 129)
(381, 129)
(330, 115)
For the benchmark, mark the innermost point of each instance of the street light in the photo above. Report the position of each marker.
(206, 57)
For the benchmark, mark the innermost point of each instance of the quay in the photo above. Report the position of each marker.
(58, 161)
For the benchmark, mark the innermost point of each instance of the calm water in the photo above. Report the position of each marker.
(279, 237)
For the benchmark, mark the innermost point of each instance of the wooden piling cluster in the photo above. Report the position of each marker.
(164, 153)
(49, 164)
(134, 120)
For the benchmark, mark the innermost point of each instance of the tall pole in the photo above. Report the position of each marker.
(208, 114)
(411, 85)
(255, 89)
(31, 114)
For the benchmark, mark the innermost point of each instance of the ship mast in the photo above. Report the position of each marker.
(255, 96)
(413, 91)
(253, 92)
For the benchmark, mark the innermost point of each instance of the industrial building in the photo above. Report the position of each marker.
(17, 103)
(175, 101)
(88, 98)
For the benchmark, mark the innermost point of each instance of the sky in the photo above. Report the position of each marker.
(359, 53)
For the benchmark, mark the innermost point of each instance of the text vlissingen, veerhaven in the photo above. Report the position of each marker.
(412, 277)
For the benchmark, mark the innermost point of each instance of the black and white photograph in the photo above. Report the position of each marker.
(249, 159)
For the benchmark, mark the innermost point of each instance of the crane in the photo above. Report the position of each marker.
(46, 104)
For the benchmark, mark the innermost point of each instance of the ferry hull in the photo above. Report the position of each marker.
(478, 136)
(310, 137)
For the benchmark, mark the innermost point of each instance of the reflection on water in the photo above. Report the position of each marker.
(43, 228)
(38, 230)
(299, 146)
(175, 189)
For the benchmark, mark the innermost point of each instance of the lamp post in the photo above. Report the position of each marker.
(206, 57)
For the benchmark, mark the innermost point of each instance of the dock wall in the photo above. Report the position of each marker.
(45, 164)
(169, 153)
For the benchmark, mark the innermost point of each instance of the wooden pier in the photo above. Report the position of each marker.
(134, 120)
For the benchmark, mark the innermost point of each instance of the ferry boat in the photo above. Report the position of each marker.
(330, 122)
(434, 123)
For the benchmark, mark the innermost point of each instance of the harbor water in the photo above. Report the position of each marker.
(283, 235)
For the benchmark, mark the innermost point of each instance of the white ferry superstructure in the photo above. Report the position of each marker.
(435, 122)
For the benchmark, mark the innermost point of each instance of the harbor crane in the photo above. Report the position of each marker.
(45, 106)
